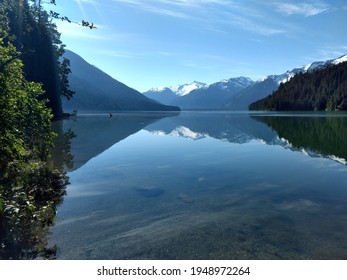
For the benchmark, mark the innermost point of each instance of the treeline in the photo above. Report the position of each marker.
(31, 31)
(324, 89)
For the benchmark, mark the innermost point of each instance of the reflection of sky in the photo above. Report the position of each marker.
(208, 188)
(145, 154)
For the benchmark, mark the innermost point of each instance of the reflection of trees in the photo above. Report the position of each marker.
(324, 135)
(61, 155)
(29, 195)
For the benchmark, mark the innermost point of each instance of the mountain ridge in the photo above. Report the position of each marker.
(98, 91)
(198, 95)
(266, 85)
(218, 96)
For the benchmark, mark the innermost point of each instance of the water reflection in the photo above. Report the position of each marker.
(30, 194)
(315, 134)
(96, 133)
(203, 186)
(322, 135)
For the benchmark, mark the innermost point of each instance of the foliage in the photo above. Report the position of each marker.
(24, 120)
(324, 89)
(30, 189)
(35, 35)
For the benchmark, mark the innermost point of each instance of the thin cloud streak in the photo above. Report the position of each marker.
(304, 9)
(231, 13)
(254, 27)
(153, 7)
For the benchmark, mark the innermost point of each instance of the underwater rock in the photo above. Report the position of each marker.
(185, 198)
(149, 191)
(301, 204)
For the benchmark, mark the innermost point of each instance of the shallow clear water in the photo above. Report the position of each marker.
(205, 186)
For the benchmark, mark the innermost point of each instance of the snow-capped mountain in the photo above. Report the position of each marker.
(179, 90)
(185, 89)
(197, 95)
(230, 94)
(233, 83)
(265, 86)
(161, 94)
(214, 96)
(317, 65)
(166, 95)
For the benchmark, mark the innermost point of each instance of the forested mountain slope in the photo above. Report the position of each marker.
(97, 91)
(324, 89)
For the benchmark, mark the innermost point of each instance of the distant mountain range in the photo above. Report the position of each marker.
(97, 91)
(233, 94)
(168, 95)
(199, 96)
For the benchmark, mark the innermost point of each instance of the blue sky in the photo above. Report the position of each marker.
(151, 43)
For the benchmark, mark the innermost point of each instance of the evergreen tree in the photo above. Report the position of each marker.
(37, 38)
(24, 119)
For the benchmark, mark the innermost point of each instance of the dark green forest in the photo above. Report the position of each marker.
(320, 90)
(32, 81)
(36, 39)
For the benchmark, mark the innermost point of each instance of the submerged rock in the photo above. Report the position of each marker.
(301, 204)
(185, 198)
(149, 191)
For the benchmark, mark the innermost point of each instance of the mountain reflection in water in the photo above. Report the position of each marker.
(205, 185)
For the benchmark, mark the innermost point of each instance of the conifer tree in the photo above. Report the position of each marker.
(37, 38)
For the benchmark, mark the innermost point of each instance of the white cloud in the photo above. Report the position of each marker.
(304, 9)
(173, 8)
(155, 7)
(326, 52)
(254, 26)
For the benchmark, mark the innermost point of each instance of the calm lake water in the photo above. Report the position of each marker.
(205, 185)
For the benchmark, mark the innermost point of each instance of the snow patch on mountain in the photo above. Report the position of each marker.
(285, 77)
(340, 59)
(158, 89)
(182, 90)
(185, 89)
(241, 82)
(179, 90)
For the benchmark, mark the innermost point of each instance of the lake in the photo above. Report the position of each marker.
(205, 185)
